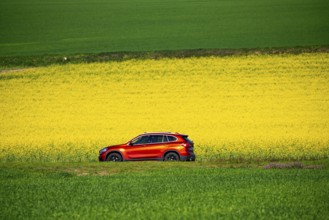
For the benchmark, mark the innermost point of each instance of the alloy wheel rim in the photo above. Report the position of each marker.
(115, 158)
(172, 157)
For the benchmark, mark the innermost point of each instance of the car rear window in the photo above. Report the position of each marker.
(187, 139)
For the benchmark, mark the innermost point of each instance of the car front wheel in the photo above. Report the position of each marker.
(171, 157)
(114, 157)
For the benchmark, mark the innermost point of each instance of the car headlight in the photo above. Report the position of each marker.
(103, 150)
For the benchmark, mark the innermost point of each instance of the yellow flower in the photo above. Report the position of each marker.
(251, 107)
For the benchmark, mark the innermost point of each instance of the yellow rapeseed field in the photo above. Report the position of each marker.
(256, 107)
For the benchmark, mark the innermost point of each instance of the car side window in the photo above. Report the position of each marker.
(171, 138)
(156, 138)
(142, 140)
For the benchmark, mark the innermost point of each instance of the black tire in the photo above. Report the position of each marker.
(114, 157)
(171, 156)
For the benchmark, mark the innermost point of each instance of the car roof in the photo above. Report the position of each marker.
(164, 133)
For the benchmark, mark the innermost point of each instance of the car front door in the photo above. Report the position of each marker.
(145, 147)
(136, 150)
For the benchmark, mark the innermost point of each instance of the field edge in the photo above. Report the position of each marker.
(109, 168)
(8, 63)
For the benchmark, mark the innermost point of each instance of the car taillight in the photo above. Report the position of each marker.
(188, 147)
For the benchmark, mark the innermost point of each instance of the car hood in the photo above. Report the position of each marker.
(115, 146)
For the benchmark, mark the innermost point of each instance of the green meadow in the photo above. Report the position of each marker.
(158, 190)
(38, 27)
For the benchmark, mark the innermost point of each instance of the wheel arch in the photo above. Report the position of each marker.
(115, 151)
(171, 151)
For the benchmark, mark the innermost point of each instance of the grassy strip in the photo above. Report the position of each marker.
(153, 190)
(12, 62)
(108, 168)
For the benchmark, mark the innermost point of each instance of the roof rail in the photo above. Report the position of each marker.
(162, 132)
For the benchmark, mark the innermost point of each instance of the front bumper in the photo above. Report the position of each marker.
(100, 158)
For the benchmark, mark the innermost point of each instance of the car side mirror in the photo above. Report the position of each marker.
(130, 143)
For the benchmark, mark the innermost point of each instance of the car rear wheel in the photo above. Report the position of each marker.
(171, 156)
(114, 157)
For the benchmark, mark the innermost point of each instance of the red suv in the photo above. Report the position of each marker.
(151, 146)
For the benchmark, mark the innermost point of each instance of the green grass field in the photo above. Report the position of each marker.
(37, 27)
(153, 190)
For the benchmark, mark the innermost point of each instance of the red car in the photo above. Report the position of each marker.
(151, 146)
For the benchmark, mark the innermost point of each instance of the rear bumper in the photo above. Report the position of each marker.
(188, 158)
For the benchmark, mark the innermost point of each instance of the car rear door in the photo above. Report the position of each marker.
(156, 148)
